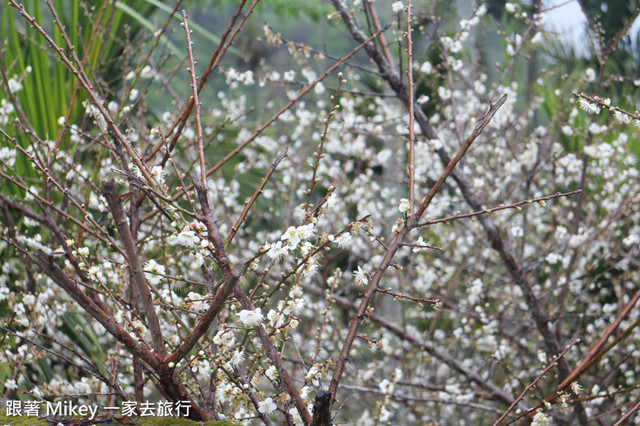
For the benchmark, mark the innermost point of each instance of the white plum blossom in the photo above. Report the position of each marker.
(289, 75)
(397, 6)
(589, 106)
(14, 85)
(386, 386)
(113, 108)
(6, 108)
(275, 318)
(595, 128)
(405, 205)
(330, 217)
(83, 388)
(157, 172)
(419, 242)
(444, 93)
(576, 388)
(293, 236)
(540, 419)
(187, 237)
(271, 372)
(621, 117)
(237, 358)
(197, 302)
(224, 338)
(250, 318)
(267, 406)
(542, 357)
(360, 276)
(343, 240)
(277, 250)
(154, 271)
(538, 37)
(385, 414)
(456, 47)
(553, 258)
(475, 291)
(147, 72)
(29, 300)
(8, 156)
(631, 240)
(295, 415)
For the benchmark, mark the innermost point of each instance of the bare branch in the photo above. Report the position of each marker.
(137, 275)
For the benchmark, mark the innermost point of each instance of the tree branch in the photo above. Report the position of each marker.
(137, 275)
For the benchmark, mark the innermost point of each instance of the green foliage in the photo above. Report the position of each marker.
(49, 87)
(99, 36)
(140, 19)
(80, 331)
(313, 9)
(612, 16)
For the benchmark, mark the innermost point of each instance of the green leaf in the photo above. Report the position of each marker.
(148, 25)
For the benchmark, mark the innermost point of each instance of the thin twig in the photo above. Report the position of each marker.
(276, 358)
(282, 110)
(376, 25)
(419, 300)
(216, 57)
(204, 322)
(494, 235)
(255, 195)
(533, 383)
(46, 264)
(196, 102)
(442, 355)
(410, 105)
(607, 105)
(84, 81)
(482, 123)
(499, 207)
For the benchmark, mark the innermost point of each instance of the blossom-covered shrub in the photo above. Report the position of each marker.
(428, 238)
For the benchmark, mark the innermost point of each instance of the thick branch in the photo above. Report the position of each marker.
(222, 260)
(219, 252)
(135, 268)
